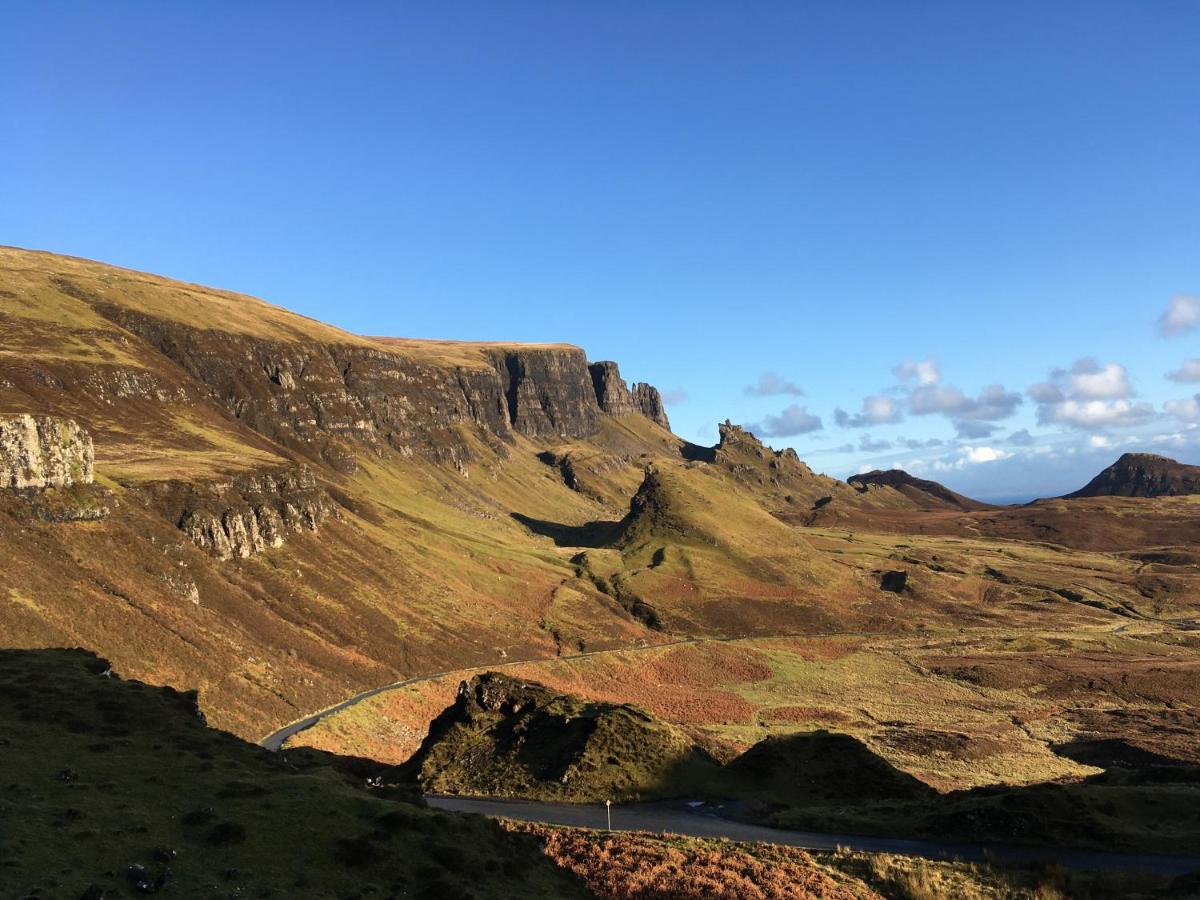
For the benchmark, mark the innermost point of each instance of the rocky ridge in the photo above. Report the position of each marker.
(326, 399)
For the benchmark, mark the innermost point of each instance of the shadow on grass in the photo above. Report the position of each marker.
(591, 535)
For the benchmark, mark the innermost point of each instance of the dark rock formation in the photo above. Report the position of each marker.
(925, 493)
(548, 391)
(506, 737)
(1143, 475)
(893, 581)
(43, 452)
(612, 393)
(648, 402)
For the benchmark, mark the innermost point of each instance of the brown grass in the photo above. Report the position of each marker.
(642, 867)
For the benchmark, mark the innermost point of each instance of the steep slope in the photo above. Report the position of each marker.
(925, 493)
(115, 788)
(1142, 475)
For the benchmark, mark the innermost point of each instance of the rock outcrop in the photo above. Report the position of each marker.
(1143, 475)
(648, 401)
(44, 452)
(248, 514)
(612, 393)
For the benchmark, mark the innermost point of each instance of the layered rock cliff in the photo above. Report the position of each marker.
(612, 393)
(44, 452)
(327, 400)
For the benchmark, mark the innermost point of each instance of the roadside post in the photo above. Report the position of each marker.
(608, 812)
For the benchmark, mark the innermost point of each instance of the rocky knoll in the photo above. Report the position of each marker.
(508, 737)
(1143, 475)
(43, 451)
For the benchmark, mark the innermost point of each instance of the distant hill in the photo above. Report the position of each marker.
(1143, 475)
(925, 493)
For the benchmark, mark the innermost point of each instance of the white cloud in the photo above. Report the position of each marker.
(792, 420)
(1185, 410)
(992, 404)
(771, 385)
(1089, 395)
(674, 396)
(1099, 442)
(976, 455)
(1181, 316)
(877, 409)
(925, 372)
(1187, 373)
(1090, 381)
(1091, 414)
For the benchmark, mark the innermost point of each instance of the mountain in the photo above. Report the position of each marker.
(220, 495)
(1143, 475)
(927, 494)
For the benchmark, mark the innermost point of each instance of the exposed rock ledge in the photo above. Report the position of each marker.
(43, 452)
(249, 513)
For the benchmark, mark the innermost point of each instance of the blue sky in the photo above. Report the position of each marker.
(709, 193)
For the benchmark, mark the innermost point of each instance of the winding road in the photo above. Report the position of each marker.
(696, 819)
(276, 739)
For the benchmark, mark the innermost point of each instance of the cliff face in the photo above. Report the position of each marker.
(548, 391)
(612, 393)
(1143, 475)
(648, 401)
(43, 451)
(325, 399)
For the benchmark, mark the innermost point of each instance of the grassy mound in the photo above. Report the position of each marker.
(112, 789)
(509, 738)
(820, 768)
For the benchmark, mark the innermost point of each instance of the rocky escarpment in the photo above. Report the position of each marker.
(617, 399)
(326, 399)
(1143, 475)
(44, 452)
(247, 514)
(612, 393)
(648, 401)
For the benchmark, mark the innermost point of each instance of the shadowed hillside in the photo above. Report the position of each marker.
(115, 788)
